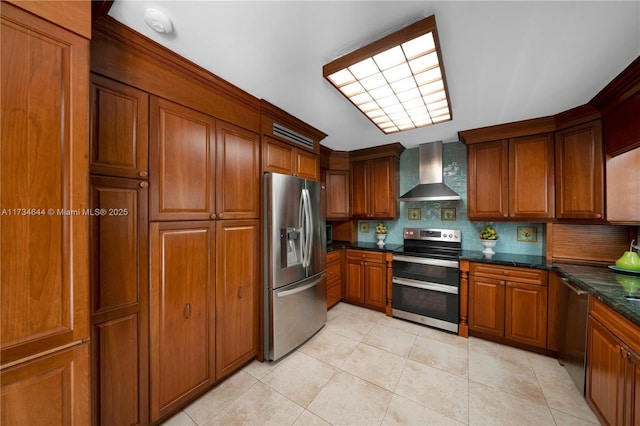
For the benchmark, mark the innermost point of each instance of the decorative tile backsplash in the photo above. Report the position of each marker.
(429, 214)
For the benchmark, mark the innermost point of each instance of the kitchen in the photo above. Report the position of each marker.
(225, 226)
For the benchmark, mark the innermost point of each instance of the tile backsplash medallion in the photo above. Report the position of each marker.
(455, 176)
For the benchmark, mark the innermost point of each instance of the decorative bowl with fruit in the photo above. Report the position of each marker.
(381, 233)
(488, 239)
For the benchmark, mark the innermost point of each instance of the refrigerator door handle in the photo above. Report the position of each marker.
(309, 226)
(301, 222)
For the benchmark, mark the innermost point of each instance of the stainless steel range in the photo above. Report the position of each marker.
(426, 278)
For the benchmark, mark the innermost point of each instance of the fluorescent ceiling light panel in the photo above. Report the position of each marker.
(398, 82)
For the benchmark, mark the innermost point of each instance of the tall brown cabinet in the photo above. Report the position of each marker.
(43, 231)
(176, 308)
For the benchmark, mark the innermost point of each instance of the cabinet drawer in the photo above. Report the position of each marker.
(334, 294)
(624, 329)
(368, 256)
(334, 256)
(333, 273)
(524, 275)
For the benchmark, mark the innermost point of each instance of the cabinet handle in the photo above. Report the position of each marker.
(240, 292)
(144, 184)
(144, 174)
(187, 310)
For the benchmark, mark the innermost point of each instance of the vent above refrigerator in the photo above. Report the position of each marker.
(292, 136)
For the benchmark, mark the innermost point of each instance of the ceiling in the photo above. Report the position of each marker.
(504, 61)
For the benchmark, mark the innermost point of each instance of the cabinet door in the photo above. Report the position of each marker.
(119, 129)
(605, 373)
(526, 314)
(277, 157)
(51, 390)
(579, 172)
(306, 165)
(488, 180)
(531, 177)
(486, 305)
(632, 390)
(375, 285)
(44, 242)
(623, 197)
(337, 194)
(359, 189)
(237, 172)
(354, 284)
(382, 193)
(182, 156)
(119, 301)
(182, 313)
(237, 294)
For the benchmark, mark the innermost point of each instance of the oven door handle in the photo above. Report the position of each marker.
(426, 261)
(426, 285)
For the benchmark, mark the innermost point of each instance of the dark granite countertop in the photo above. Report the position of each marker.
(339, 245)
(601, 282)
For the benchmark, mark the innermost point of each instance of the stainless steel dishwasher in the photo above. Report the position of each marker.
(572, 333)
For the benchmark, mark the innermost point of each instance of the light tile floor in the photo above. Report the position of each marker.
(364, 368)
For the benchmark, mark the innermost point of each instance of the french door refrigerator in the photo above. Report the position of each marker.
(295, 263)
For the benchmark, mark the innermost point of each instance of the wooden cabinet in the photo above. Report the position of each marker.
(623, 196)
(44, 233)
(366, 279)
(182, 157)
(374, 188)
(613, 366)
(337, 190)
(182, 328)
(279, 157)
(119, 300)
(201, 168)
(119, 129)
(509, 303)
(580, 172)
(334, 277)
(512, 179)
(237, 172)
(237, 294)
(50, 390)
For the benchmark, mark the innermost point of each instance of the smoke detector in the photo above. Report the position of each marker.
(158, 20)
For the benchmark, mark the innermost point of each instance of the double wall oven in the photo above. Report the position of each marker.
(426, 278)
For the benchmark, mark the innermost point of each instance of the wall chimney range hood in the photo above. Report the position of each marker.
(431, 187)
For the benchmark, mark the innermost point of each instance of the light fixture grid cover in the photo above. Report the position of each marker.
(429, 81)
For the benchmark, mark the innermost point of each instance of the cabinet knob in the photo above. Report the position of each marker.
(144, 174)
(240, 292)
(502, 282)
(213, 216)
(504, 215)
(144, 184)
(598, 215)
(513, 215)
(187, 310)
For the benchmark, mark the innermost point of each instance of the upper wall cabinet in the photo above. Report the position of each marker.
(289, 146)
(201, 168)
(579, 172)
(619, 103)
(119, 129)
(375, 183)
(511, 178)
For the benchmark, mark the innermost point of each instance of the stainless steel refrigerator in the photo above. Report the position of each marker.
(295, 263)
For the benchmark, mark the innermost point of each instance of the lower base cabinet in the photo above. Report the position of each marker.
(182, 313)
(508, 303)
(613, 366)
(237, 294)
(334, 278)
(52, 389)
(366, 281)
